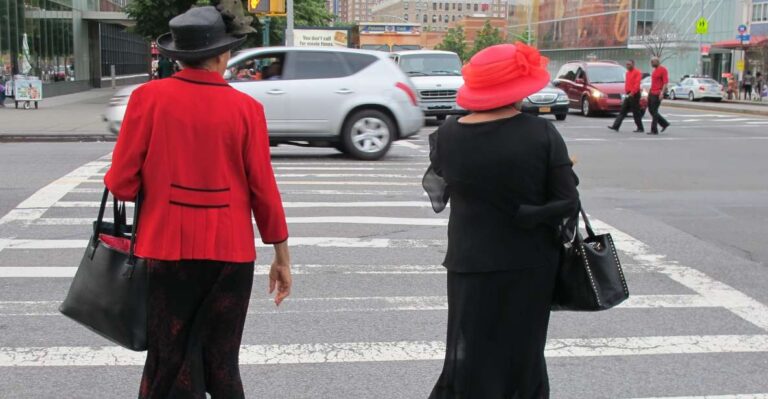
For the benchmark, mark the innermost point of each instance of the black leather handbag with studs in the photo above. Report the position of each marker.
(590, 277)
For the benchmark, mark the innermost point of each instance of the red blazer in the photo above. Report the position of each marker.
(198, 149)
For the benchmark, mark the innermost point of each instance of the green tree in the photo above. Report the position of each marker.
(487, 37)
(152, 16)
(526, 37)
(455, 41)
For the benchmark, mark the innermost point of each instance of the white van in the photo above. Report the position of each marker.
(437, 77)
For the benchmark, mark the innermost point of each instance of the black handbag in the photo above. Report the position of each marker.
(590, 277)
(109, 292)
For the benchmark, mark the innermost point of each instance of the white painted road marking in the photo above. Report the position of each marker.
(362, 304)
(348, 204)
(715, 291)
(370, 220)
(351, 352)
(737, 396)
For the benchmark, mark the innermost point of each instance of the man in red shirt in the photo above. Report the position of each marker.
(632, 99)
(659, 81)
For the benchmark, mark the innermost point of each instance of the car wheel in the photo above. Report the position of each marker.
(691, 97)
(585, 109)
(672, 95)
(561, 117)
(368, 135)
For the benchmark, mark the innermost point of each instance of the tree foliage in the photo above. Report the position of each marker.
(152, 16)
(455, 41)
(527, 37)
(487, 37)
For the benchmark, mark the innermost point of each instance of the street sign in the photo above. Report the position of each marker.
(740, 65)
(702, 26)
(744, 38)
(705, 49)
(742, 28)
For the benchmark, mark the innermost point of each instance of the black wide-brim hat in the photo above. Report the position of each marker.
(198, 34)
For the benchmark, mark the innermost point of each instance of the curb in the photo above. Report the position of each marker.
(701, 107)
(56, 138)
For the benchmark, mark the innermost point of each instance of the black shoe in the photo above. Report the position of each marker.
(653, 133)
(663, 128)
(638, 131)
(615, 129)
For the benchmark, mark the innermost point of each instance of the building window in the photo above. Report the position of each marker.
(425, 19)
(476, 7)
(434, 18)
(405, 5)
(453, 18)
(434, 6)
(460, 5)
(760, 12)
(446, 18)
(405, 16)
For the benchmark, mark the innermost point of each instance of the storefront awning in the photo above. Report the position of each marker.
(736, 44)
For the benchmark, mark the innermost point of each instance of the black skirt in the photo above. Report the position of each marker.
(497, 330)
(196, 314)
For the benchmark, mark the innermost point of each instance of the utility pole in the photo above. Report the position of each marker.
(701, 60)
(530, 17)
(265, 31)
(289, 27)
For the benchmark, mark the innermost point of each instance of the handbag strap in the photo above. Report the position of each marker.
(587, 224)
(100, 218)
(134, 229)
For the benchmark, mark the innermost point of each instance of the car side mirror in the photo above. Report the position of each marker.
(227, 75)
(580, 81)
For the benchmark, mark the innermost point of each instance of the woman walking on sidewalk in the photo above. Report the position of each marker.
(198, 151)
(510, 181)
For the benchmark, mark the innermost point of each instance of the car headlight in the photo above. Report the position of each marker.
(562, 98)
(597, 93)
(645, 93)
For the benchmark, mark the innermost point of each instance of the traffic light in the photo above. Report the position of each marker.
(267, 7)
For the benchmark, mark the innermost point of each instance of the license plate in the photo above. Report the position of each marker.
(545, 109)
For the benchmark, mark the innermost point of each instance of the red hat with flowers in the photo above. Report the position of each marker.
(502, 75)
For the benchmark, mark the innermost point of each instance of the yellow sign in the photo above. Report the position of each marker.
(740, 65)
(267, 7)
(702, 26)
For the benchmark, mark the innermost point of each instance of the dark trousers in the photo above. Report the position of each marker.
(747, 92)
(196, 314)
(654, 102)
(631, 103)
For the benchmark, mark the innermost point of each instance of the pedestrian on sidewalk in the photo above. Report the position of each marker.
(759, 85)
(164, 67)
(198, 151)
(501, 169)
(749, 83)
(733, 88)
(659, 82)
(632, 99)
(2, 94)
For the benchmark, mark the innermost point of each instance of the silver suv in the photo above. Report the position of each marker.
(354, 100)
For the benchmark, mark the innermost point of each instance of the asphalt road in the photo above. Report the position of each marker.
(688, 210)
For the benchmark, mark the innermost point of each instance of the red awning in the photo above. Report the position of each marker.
(736, 44)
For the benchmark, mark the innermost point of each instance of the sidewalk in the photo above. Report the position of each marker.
(736, 107)
(72, 117)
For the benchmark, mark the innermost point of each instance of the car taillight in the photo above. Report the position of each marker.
(702, 88)
(408, 91)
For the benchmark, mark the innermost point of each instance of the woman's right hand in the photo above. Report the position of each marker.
(280, 273)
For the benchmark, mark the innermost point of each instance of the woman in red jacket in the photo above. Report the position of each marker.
(198, 152)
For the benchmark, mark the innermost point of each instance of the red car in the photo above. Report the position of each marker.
(595, 86)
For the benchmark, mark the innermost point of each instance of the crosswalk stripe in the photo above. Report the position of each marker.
(736, 396)
(289, 204)
(715, 291)
(350, 352)
(371, 220)
(361, 304)
(327, 242)
(289, 192)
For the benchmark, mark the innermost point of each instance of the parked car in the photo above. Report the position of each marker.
(549, 100)
(354, 100)
(645, 84)
(697, 89)
(437, 77)
(594, 86)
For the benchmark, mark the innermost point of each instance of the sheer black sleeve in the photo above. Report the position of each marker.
(433, 182)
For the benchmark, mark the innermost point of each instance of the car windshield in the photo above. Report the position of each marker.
(708, 82)
(606, 74)
(431, 64)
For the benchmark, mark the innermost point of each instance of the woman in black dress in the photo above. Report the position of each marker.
(510, 182)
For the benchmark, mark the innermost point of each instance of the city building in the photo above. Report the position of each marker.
(437, 15)
(352, 10)
(627, 29)
(70, 45)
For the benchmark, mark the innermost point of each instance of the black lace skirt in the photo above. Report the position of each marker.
(196, 314)
(497, 330)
